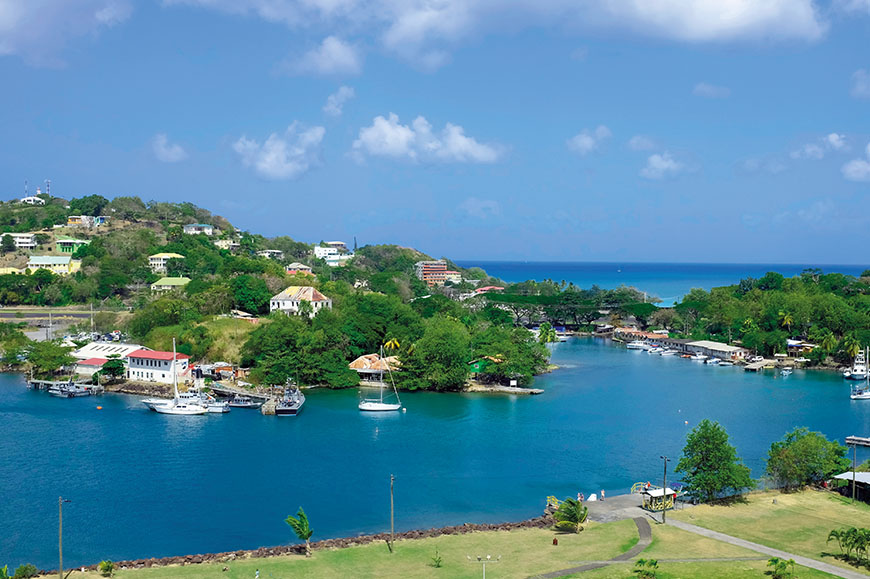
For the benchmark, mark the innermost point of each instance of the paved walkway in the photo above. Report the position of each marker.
(805, 561)
(644, 538)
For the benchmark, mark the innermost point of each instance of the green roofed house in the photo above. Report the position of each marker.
(69, 244)
(166, 284)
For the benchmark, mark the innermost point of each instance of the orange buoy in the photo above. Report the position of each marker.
(686, 421)
(99, 407)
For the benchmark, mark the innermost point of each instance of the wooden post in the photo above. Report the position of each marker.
(664, 490)
(854, 468)
(60, 536)
(392, 514)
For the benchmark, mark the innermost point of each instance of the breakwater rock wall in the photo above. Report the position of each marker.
(543, 522)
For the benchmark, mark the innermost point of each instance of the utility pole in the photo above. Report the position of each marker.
(392, 514)
(60, 502)
(664, 488)
(854, 468)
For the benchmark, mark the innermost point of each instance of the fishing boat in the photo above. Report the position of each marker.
(378, 403)
(190, 405)
(292, 402)
(239, 401)
(860, 392)
(858, 371)
(69, 390)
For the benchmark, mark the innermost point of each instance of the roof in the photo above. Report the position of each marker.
(93, 362)
(297, 265)
(105, 350)
(374, 362)
(715, 346)
(48, 260)
(176, 281)
(481, 290)
(861, 477)
(301, 292)
(198, 225)
(659, 492)
(71, 240)
(167, 255)
(156, 355)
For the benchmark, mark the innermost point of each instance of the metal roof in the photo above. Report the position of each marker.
(861, 477)
(714, 346)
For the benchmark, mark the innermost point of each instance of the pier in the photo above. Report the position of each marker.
(756, 366)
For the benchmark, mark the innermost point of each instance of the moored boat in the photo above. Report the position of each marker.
(636, 345)
(239, 401)
(858, 370)
(190, 405)
(860, 392)
(292, 402)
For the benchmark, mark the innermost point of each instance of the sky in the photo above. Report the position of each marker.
(546, 130)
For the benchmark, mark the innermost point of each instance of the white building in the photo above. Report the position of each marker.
(105, 350)
(197, 228)
(227, 244)
(158, 261)
(90, 366)
(337, 260)
(716, 349)
(289, 300)
(154, 366)
(324, 252)
(271, 253)
(339, 245)
(22, 240)
(32, 200)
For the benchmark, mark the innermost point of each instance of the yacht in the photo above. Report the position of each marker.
(654, 350)
(858, 371)
(217, 407)
(292, 402)
(860, 392)
(152, 402)
(636, 345)
(378, 404)
(725, 363)
(668, 352)
(190, 405)
(698, 357)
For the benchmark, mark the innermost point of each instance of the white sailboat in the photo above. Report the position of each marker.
(377, 404)
(178, 406)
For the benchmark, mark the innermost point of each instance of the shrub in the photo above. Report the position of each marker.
(106, 568)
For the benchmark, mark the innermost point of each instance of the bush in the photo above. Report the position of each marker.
(106, 568)
(25, 572)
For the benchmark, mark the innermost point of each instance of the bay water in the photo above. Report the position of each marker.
(143, 484)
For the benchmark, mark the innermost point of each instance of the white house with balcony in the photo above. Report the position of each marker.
(22, 240)
(197, 228)
(289, 300)
(158, 261)
(155, 366)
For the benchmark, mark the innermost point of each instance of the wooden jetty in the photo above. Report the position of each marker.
(229, 392)
(756, 366)
(58, 384)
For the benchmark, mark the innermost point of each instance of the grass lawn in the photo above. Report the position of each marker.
(798, 523)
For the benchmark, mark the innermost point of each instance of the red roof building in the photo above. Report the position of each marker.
(153, 366)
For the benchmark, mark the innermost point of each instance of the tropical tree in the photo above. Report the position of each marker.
(786, 319)
(571, 515)
(547, 334)
(803, 457)
(114, 368)
(7, 244)
(851, 345)
(300, 527)
(779, 568)
(838, 535)
(49, 356)
(710, 465)
(828, 341)
(646, 568)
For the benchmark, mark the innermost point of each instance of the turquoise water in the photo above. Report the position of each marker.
(144, 484)
(668, 281)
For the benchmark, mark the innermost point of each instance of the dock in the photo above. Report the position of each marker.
(229, 392)
(756, 366)
(46, 385)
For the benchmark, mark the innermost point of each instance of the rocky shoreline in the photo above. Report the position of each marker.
(542, 522)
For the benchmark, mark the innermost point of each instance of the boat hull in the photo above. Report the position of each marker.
(379, 407)
(181, 410)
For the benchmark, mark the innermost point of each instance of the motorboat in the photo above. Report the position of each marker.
(860, 392)
(190, 405)
(786, 372)
(292, 402)
(858, 370)
(712, 361)
(217, 407)
(636, 345)
(697, 357)
(725, 363)
(379, 404)
(239, 401)
(668, 352)
(655, 350)
(152, 402)
(69, 390)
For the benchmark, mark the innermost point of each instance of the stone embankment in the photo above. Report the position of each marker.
(151, 389)
(536, 523)
(498, 389)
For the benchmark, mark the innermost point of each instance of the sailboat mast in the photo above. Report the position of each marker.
(174, 370)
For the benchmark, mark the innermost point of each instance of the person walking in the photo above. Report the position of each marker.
(602, 495)
(257, 574)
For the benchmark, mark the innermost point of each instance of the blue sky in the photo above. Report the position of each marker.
(696, 130)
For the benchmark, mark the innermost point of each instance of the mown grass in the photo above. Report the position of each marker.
(798, 522)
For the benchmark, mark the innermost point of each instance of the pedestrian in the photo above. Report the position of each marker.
(579, 497)
(582, 497)
(257, 574)
(602, 495)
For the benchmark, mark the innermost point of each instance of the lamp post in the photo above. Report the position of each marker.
(483, 560)
(664, 488)
(60, 502)
(392, 514)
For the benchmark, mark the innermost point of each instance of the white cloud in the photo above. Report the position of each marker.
(858, 169)
(661, 165)
(480, 208)
(335, 102)
(284, 156)
(641, 143)
(817, 151)
(711, 91)
(166, 151)
(425, 31)
(38, 29)
(387, 137)
(588, 140)
(332, 57)
(861, 84)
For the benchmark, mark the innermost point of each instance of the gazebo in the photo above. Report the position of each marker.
(658, 499)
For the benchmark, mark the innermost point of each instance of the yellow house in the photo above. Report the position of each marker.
(61, 265)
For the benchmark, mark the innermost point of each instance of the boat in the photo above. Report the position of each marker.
(698, 357)
(654, 350)
(377, 404)
(190, 405)
(668, 352)
(712, 361)
(860, 392)
(152, 402)
(239, 401)
(786, 372)
(636, 345)
(858, 370)
(292, 402)
(217, 407)
(725, 363)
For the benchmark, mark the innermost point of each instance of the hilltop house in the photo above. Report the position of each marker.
(271, 253)
(433, 272)
(154, 366)
(158, 261)
(227, 244)
(324, 252)
(86, 220)
(298, 268)
(61, 265)
(22, 240)
(197, 228)
(165, 284)
(289, 300)
(69, 244)
(32, 200)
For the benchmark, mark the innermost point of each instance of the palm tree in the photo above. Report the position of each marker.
(779, 568)
(571, 515)
(646, 568)
(547, 334)
(829, 341)
(299, 524)
(839, 536)
(851, 345)
(786, 320)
